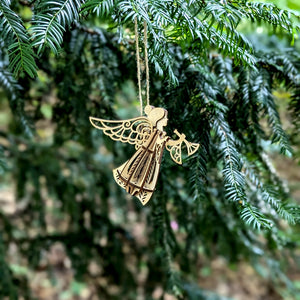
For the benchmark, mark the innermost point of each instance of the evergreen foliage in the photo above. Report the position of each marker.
(218, 88)
(17, 41)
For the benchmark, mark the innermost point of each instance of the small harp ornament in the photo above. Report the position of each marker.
(138, 175)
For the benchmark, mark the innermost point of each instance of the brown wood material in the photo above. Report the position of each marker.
(138, 175)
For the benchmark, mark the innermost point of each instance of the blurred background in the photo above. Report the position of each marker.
(68, 231)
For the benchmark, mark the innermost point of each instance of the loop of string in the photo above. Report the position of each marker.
(139, 64)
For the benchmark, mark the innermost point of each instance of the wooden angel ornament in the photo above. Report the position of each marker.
(138, 175)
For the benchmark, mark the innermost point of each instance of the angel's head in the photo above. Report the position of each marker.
(157, 115)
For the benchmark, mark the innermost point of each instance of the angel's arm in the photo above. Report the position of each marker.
(176, 142)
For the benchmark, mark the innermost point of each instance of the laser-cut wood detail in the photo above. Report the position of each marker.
(138, 175)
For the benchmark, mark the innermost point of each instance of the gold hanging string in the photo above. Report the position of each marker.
(146, 63)
(139, 64)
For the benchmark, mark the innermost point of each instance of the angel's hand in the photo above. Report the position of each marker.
(163, 134)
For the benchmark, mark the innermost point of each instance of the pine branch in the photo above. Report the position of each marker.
(8, 82)
(167, 23)
(269, 13)
(51, 21)
(285, 66)
(234, 181)
(161, 232)
(261, 89)
(223, 19)
(294, 107)
(269, 194)
(159, 50)
(252, 216)
(224, 14)
(100, 7)
(234, 45)
(13, 91)
(14, 34)
(284, 210)
(223, 68)
(205, 25)
(199, 174)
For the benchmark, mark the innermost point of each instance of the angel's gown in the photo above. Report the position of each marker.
(138, 175)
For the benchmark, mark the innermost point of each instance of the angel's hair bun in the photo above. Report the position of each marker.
(148, 109)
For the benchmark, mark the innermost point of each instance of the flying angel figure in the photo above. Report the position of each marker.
(138, 175)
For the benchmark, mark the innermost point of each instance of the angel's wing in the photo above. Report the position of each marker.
(133, 131)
